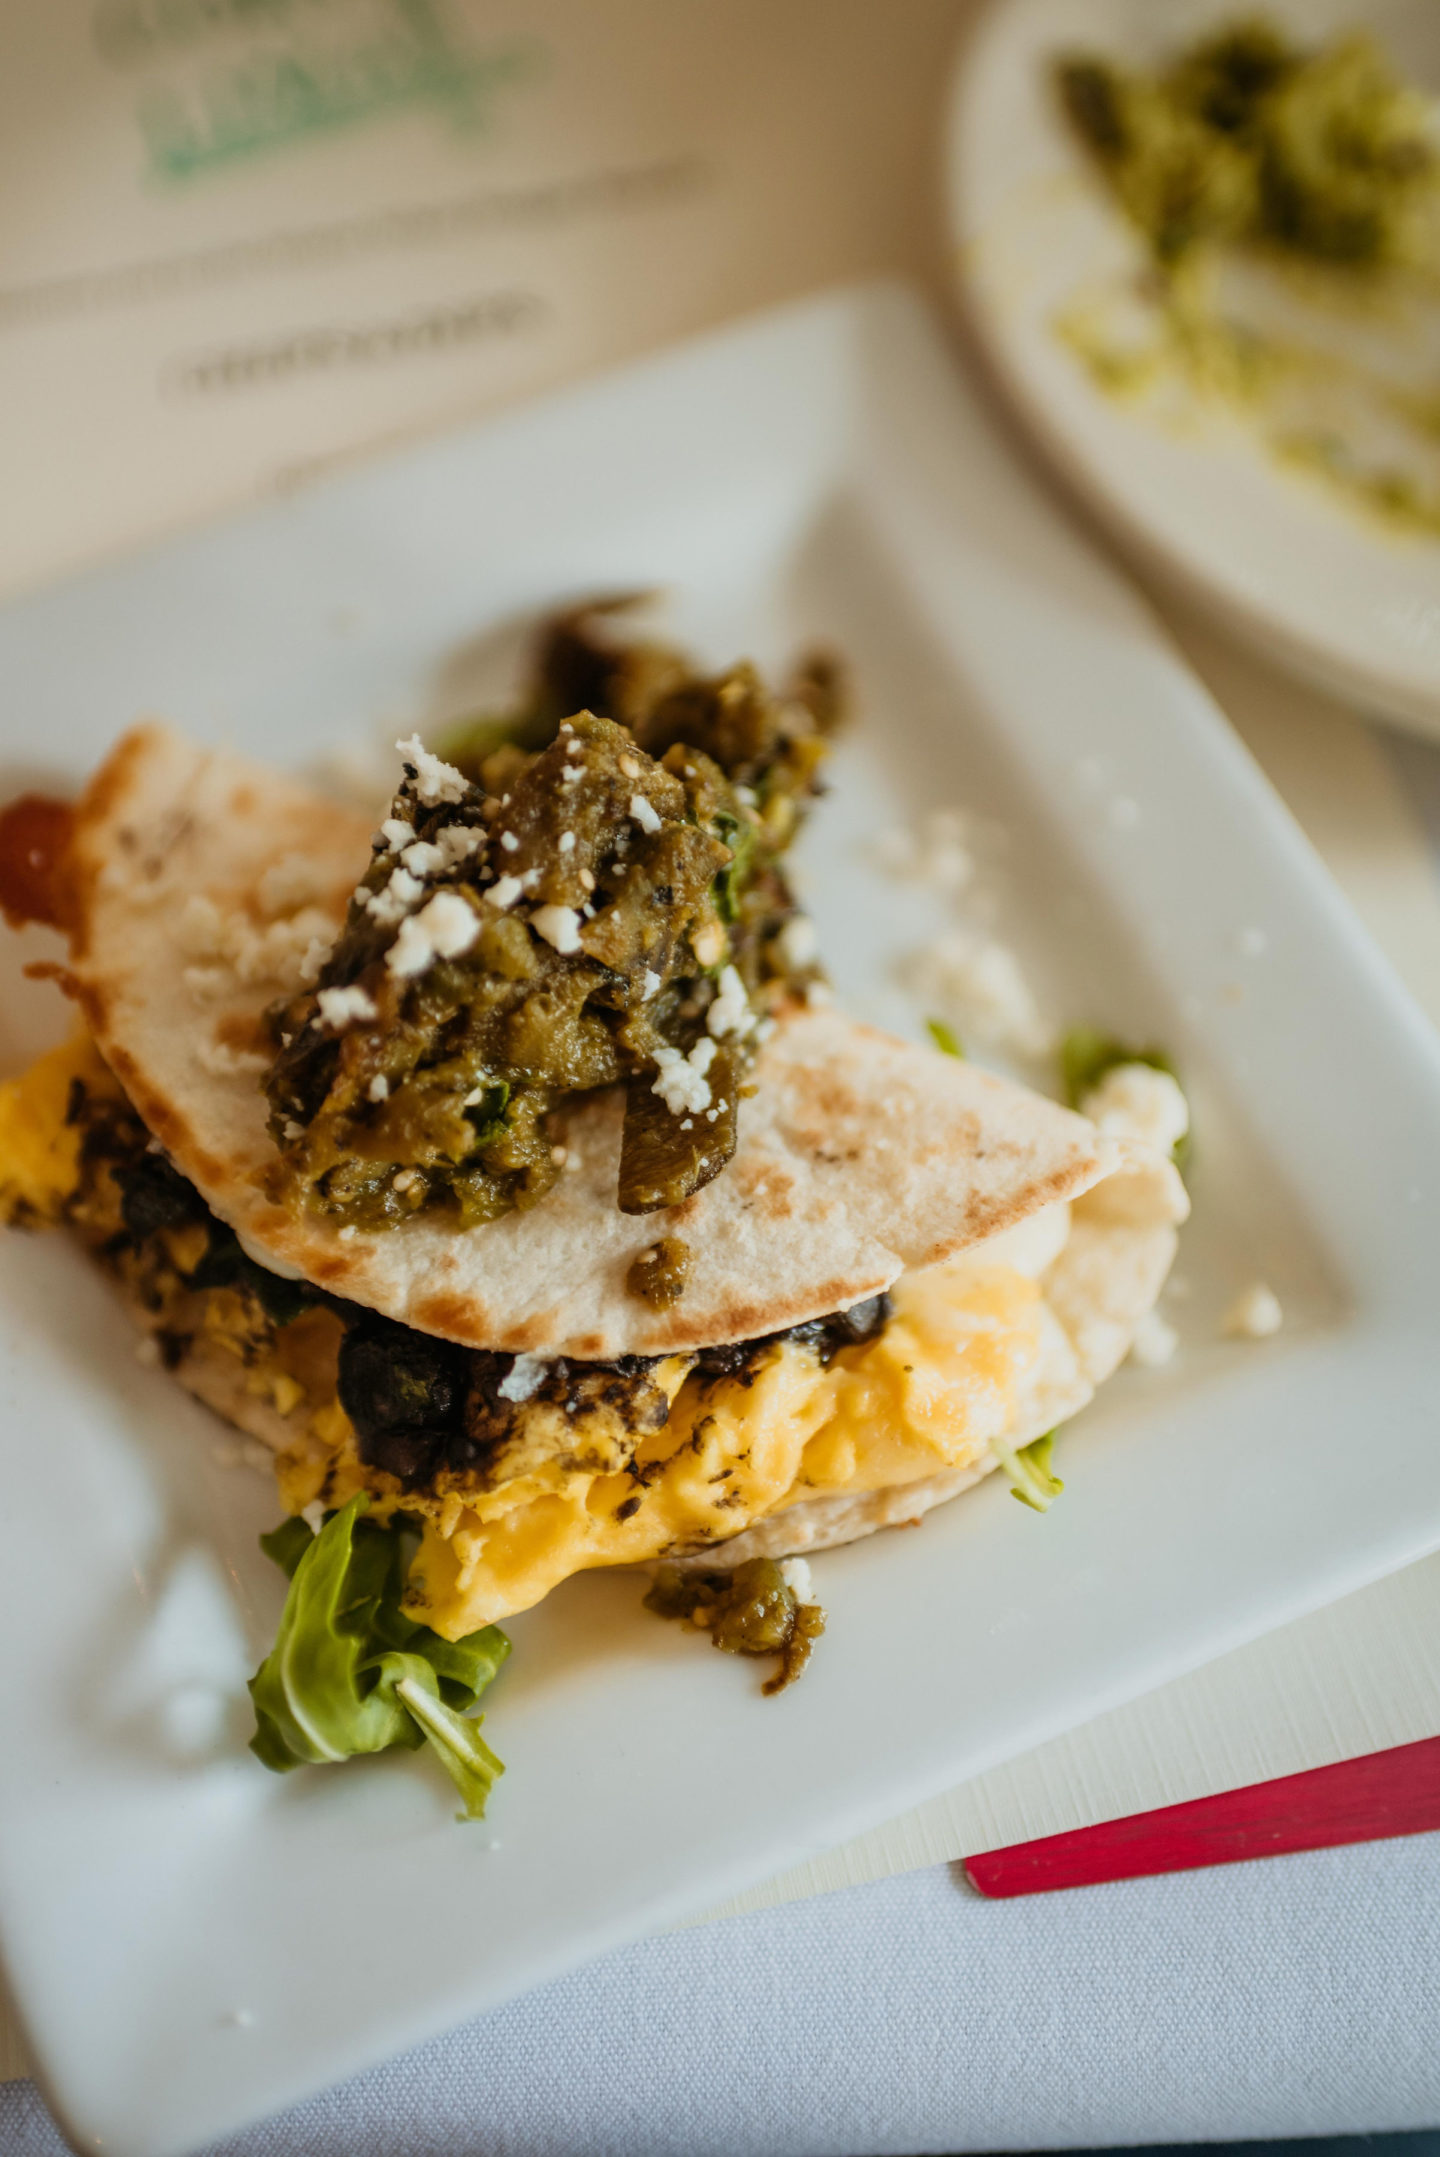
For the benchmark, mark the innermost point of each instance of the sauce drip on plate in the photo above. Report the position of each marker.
(34, 836)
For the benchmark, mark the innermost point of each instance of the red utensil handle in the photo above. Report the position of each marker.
(1396, 1792)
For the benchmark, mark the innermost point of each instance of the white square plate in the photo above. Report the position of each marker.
(194, 1942)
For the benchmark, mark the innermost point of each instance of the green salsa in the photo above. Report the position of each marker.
(1248, 138)
(590, 895)
(752, 1610)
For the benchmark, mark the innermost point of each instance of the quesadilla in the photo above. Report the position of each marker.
(906, 1272)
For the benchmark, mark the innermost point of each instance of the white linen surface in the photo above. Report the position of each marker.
(1298, 1996)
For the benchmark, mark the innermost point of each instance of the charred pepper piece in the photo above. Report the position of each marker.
(750, 1611)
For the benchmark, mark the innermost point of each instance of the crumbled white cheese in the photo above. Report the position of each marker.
(1136, 1101)
(505, 891)
(644, 813)
(524, 1378)
(221, 1061)
(435, 780)
(560, 927)
(795, 1572)
(680, 1081)
(398, 833)
(340, 1008)
(379, 1088)
(206, 983)
(442, 929)
(978, 983)
(291, 1130)
(288, 884)
(1255, 1314)
(311, 960)
(200, 931)
(936, 854)
(278, 953)
(393, 902)
(798, 942)
(570, 774)
(458, 842)
(509, 841)
(313, 1516)
(649, 984)
(745, 794)
(567, 842)
(422, 858)
(1155, 1342)
(710, 944)
(730, 1012)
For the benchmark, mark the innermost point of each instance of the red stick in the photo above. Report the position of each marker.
(1381, 1794)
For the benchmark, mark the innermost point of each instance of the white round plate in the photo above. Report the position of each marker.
(1323, 587)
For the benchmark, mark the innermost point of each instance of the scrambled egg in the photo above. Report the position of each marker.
(39, 1141)
(928, 1394)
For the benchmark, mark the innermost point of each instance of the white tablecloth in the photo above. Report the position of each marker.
(1298, 1996)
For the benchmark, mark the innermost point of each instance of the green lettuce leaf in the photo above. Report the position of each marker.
(945, 1038)
(350, 1673)
(1031, 1480)
(1086, 1055)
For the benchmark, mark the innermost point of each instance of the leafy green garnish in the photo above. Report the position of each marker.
(1029, 1471)
(945, 1038)
(350, 1673)
(1087, 1055)
(730, 884)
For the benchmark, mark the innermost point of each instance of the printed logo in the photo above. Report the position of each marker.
(233, 79)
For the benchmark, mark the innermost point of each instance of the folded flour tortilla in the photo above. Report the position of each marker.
(200, 887)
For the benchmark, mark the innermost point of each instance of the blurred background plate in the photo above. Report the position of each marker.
(1328, 590)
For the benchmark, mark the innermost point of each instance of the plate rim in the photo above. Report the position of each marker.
(1397, 694)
